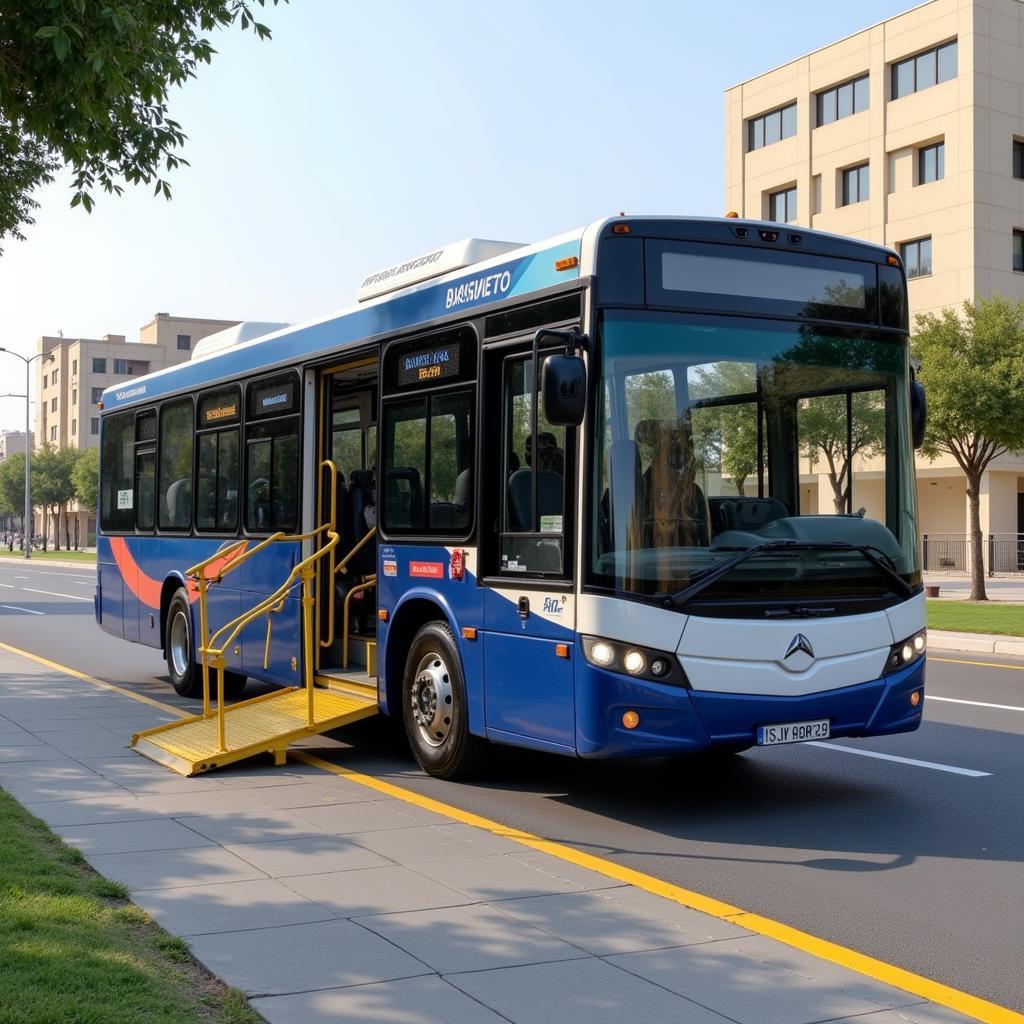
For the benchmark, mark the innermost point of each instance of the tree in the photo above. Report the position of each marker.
(12, 487)
(85, 83)
(51, 485)
(86, 478)
(822, 429)
(972, 368)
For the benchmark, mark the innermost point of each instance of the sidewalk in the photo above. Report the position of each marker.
(976, 643)
(957, 588)
(324, 900)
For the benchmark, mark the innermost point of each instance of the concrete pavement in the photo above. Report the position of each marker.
(324, 900)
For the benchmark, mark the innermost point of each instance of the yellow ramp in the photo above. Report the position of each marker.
(266, 724)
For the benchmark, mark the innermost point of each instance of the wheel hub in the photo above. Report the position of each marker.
(179, 644)
(431, 699)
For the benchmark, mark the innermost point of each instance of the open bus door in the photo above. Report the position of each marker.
(346, 583)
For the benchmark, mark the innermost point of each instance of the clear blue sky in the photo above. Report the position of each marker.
(365, 133)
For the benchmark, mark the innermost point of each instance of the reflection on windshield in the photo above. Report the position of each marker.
(717, 434)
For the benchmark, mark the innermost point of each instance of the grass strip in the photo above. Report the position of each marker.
(74, 950)
(89, 557)
(977, 617)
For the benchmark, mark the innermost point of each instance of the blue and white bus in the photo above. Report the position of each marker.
(646, 488)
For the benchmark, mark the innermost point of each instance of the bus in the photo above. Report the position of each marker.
(646, 488)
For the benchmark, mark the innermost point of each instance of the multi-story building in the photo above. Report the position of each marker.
(911, 134)
(12, 442)
(69, 383)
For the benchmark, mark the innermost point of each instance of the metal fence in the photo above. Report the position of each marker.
(950, 553)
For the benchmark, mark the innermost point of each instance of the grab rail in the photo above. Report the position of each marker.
(213, 647)
(337, 567)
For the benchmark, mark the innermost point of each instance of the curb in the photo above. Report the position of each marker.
(979, 643)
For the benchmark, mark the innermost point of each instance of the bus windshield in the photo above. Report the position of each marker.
(719, 434)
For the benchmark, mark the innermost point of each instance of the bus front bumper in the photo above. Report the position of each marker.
(673, 720)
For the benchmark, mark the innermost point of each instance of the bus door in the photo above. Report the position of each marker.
(349, 440)
(529, 613)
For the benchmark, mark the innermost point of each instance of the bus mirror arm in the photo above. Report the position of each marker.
(564, 378)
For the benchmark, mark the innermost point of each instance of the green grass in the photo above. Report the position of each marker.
(52, 556)
(977, 617)
(73, 950)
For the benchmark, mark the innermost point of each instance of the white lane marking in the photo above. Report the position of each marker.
(901, 760)
(84, 583)
(9, 586)
(973, 703)
(51, 593)
(49, 572)
(18, 608)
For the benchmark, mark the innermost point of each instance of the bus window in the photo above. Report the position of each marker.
(174, 502)
(145, 470)
(534, 463)
(347, 441)
(272, 455)
(451, 453)
(217, 473)
(405, 464)
(117, 487)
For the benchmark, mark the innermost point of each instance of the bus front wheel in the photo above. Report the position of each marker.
(186, 675)
(434, 705)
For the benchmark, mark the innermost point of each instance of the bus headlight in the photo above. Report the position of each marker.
(906, 652)
(638, 662)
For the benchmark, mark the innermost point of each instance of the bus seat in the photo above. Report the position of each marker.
(520, 498)
(179, 503)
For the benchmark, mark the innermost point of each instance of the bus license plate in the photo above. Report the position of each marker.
(792, 732)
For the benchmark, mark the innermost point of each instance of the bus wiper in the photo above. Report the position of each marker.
(681, 597)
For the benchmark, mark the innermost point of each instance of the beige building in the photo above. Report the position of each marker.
(12, 442)
(69, 383)
(910, 134)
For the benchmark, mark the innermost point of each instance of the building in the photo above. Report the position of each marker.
(70, 381)
(910, 134)
(12, 442)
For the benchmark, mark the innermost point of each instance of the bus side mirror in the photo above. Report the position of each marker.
(564, 390)
(918, 413)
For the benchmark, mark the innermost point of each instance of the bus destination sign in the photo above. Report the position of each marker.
(429, 365)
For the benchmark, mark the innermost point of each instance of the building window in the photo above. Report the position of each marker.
(931, 163)
(74, 367)
(74, 395)
(184, 342)
(782, 205)
(842, 100)
(53, 405)
(97, 396)
(99, 366)
(1018, 250)
(1018, 158)
(94, 425)
(56, 373)
(771, 127)
(74, 427)
(53, 433)
(120, 366)
(917, 257)
(924, 70)
(45, 378)
(855, 184)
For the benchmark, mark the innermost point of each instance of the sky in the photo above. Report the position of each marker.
(364, 134)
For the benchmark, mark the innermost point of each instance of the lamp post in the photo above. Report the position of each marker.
(26, 526)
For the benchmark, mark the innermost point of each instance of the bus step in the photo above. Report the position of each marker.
(351, 680)
(263, 725)
(363, 649)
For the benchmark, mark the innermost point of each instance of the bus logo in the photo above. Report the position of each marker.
(799, 643)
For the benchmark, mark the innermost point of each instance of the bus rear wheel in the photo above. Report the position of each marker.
(186, 675)
(434, 706)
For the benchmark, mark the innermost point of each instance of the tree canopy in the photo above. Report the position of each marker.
(85, 83)
(86, 478)
(972, 368)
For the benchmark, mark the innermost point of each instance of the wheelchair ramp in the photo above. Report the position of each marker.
(263, 725)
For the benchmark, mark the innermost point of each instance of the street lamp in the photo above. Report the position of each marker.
(26, 528)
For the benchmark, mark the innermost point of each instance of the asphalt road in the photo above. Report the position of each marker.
(917, 864)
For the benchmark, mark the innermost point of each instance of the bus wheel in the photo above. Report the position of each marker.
(434, 705)
(186, 675)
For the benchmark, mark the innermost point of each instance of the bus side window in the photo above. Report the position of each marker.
(117, 483)
(272, 454)
(174, 493)
(145, 470)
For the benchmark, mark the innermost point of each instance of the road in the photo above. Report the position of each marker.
(917, 864)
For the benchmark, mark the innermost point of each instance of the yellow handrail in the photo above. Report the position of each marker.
(343, 564)
(366, 585)
(329, 465)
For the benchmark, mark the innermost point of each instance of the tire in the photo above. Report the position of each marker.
(434, 706)
(179, 649)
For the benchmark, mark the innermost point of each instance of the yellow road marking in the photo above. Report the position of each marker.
(983, 664)
(916, 984)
